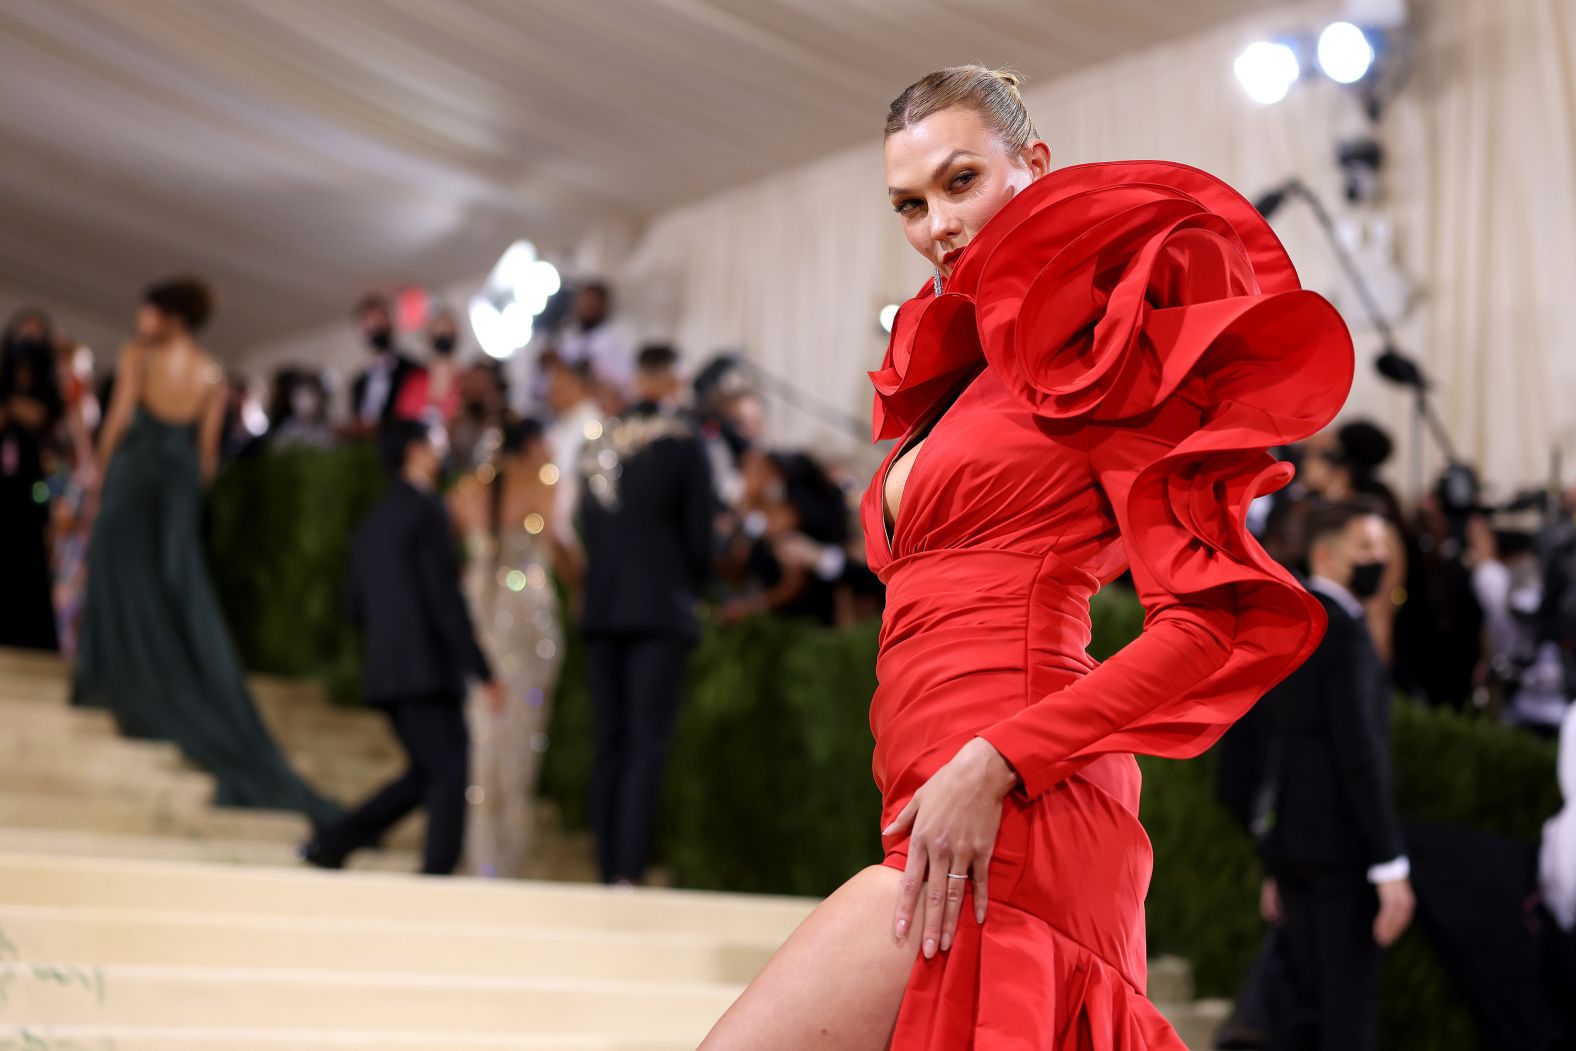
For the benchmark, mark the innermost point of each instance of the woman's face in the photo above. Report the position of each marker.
(948, 174)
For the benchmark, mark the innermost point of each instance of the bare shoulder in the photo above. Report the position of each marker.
(131, 353)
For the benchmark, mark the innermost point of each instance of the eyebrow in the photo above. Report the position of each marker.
(952, 158)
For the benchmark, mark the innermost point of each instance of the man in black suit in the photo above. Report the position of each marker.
(646, 507)
(404, 592)
(376, 388)
(1338, 886)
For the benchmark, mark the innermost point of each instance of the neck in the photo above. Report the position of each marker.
(417, 479)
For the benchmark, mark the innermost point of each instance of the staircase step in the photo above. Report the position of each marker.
(238, 891)
(23, 741)
(1196, 1021)
(121, 1038)
(186, 790)
(107, 845)
(33, 662)
(161, 817)
(259, 998)
(1170, 980)
(59, 718)
(109, 937)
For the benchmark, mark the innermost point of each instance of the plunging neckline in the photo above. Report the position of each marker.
(922, 430)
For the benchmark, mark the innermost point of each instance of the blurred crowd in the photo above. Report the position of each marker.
(787, 542)
(1461, 603)
(1474, 607)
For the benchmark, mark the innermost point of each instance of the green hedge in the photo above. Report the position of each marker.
(279, 529)
(770, 786)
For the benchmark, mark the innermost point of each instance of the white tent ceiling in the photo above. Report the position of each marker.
(296, 152)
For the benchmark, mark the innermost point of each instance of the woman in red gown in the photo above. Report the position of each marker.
(1090, 384)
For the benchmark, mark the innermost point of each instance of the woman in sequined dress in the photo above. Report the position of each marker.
(502, 512)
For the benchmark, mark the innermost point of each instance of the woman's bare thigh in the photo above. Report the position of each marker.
(836, 983)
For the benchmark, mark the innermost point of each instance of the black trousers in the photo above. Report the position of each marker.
(432, 732)
(1329, 965)
(636, 686)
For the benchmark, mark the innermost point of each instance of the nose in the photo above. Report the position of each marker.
(945, 226)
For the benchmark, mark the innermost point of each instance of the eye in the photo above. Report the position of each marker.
(963, 179)
(908, 206)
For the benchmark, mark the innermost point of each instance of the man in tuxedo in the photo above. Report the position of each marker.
(645, 512)
(404, 592)
(1338, 888)
(376, 388)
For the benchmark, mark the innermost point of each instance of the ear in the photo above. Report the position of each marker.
(1037, 155)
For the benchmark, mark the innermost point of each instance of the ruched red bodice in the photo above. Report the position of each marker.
(1129, 339)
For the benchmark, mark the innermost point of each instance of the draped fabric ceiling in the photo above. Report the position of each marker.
(296, 152)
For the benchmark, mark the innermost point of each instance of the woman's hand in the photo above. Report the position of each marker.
(954, 817)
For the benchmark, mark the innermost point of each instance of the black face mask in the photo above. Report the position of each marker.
(381, 339)
(1365, 579)
(443, 346)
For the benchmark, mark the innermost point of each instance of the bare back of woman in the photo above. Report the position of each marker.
(176, 382)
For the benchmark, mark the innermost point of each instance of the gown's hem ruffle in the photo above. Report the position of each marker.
(1019, 984)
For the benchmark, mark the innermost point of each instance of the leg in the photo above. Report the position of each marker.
(605, 669)
(836, 983)
(654, 670)
(367, 824)
(1348, 964)
(1293, 1017)
(435, 733)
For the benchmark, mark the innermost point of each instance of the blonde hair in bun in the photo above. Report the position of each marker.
(992, 93)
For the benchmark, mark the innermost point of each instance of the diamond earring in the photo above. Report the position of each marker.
(935, 272)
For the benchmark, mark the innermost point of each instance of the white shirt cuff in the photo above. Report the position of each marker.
(1390, 871)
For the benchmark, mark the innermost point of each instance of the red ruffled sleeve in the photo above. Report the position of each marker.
(1151, 301)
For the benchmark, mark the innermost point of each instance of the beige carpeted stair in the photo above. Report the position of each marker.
(136, 917)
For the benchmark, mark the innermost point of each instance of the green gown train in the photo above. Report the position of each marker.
(154, 647)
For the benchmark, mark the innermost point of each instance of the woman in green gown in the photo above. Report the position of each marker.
(154, 649)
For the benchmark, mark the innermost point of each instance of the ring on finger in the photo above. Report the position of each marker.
(957, 875)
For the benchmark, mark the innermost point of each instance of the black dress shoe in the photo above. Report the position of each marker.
(312, 853)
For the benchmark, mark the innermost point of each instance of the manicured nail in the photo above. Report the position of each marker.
(979, 914)
(930, 947)
(946, 942)
(902, 925)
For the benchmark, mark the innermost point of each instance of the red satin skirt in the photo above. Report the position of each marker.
(970, 637)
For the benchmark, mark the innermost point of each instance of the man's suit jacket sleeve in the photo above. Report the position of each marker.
(1360, 753)
(700, 501)
(439, 573)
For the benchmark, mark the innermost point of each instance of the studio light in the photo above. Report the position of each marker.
(1345, 53)
(888, 317)
(1267, 71)
(503, 314)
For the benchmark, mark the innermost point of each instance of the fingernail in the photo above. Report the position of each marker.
(930, 947)
(979, 915)
(946, 942)
(902, 925)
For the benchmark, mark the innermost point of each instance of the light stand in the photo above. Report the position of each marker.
(1391, 363)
